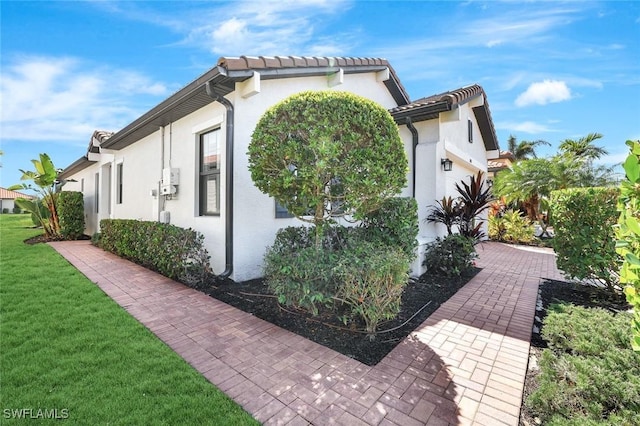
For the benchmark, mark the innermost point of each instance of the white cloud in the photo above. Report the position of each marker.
(544, 92)
(64, 99)
(267, 28)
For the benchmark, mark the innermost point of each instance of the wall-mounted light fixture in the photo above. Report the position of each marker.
(447, 164)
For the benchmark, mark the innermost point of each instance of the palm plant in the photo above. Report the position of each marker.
(583, 148)
(524, 149)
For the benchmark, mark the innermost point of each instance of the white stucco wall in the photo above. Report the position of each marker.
(255, 225)
(440, 138)
(254, 216)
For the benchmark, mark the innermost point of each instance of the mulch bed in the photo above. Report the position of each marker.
(419, 300)
(550, 292)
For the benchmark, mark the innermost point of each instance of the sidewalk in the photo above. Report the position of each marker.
(466, 364)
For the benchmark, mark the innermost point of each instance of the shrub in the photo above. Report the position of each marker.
(174, 252)
(451, 256)
(589, 375)
(17, 210)
(583, 220)
(511, 227)
(5, 210)
(628, 235)
(301, 277)
(325, 154)
(394, 224)
(366, 276)
(71, 214)
(371, 282)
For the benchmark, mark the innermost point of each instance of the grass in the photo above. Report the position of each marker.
(66, 346)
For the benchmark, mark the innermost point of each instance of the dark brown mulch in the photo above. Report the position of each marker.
(38, 239)
(551, 292)
(420, 298)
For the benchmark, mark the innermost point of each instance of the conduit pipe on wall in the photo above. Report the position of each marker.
(228, 199)
(414, 138)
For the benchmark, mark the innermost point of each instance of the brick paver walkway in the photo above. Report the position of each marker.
(465, 364)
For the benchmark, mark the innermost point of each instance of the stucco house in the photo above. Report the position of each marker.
(184, 161)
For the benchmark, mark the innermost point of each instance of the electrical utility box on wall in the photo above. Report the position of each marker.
(165, 217)
(170, 181)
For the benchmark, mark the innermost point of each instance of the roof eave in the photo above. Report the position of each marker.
(193, 96)
(421, 113)
(485, 124)
(78, 165)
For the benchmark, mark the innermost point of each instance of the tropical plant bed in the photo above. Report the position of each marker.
(419, 300)
(559, 292)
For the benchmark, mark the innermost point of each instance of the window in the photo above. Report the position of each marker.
(210, 173)
(97, 192)
(82, 185)
(282, 212)
(470, 130)
(119, 183)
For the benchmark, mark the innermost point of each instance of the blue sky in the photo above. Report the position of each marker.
(551, 70)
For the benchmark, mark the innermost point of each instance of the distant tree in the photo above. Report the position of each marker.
(583, 148)
(524, 149)
(529, 182)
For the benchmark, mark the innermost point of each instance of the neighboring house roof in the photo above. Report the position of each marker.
(6, 194)
(504, 160)
(430, 107)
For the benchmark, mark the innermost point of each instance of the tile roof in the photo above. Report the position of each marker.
(453, 97)
(6, 194)
(430, 107)
(231, 70)
(274, 62)
(99, 136)
(504, 161)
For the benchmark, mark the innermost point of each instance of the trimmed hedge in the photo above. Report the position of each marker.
(583, 220)
(174, 252)
(70, 209)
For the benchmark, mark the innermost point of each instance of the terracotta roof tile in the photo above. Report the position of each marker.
(100, 136)
(270, 62)
(7, 194)
(453, 97)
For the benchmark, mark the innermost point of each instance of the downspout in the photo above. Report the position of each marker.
(158, 186)
(228, 199)
(414, 137)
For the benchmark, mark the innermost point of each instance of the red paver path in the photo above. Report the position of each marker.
(466, 364)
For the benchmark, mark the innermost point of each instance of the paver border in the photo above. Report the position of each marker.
(465, 364)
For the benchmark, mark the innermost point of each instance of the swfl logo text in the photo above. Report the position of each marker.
(30, 413)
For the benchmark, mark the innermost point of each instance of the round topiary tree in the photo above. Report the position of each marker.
(325, 154)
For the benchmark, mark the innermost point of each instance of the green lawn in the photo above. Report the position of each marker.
(66, 346)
